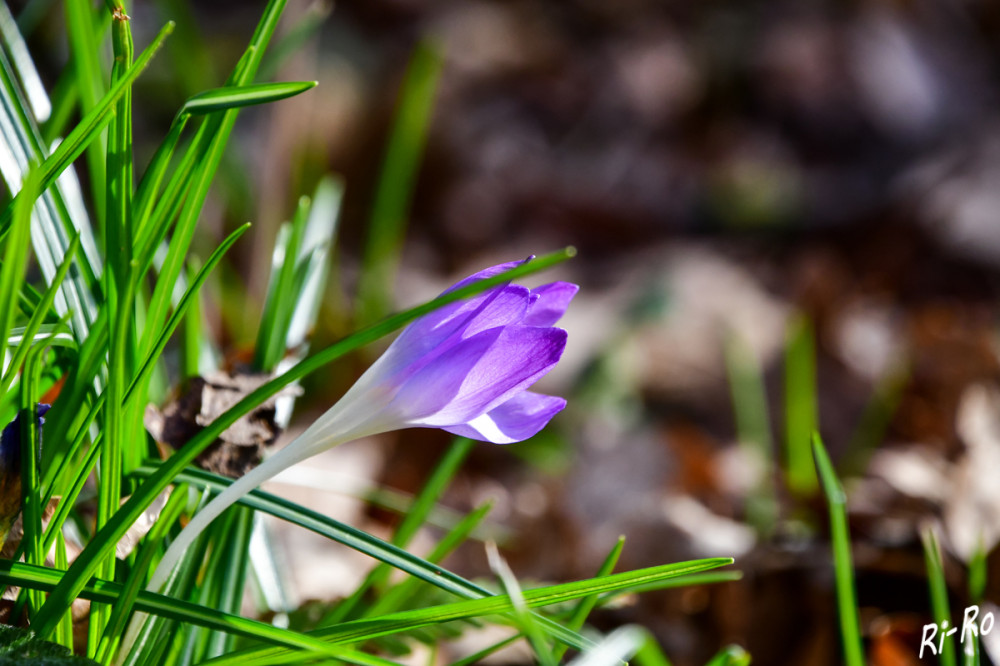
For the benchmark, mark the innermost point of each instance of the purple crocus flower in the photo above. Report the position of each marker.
(465, 368)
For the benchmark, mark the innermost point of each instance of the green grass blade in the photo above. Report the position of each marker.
(800, 405)
(124, 603)
(46, 579)
(149, 188)
(684, 581)
(360, 630)
(92, 123)
(650, 654)
(234, 97)
(31, 510)
(435, 486)
(34, 325)
(235, 563)
(387, 227)
(847, 604)
(208, 146)
(395, 597)
(64, 632)
(753, 428)
(15, 261)
(978, 574)
(733, 655)
(86, 562)
(616, 647)
(977, 588)
(298, 275)
(81, 26)
(875, 419)
(119, 294)
(523, 619)
(584, 607)
(938, 588)
(294, 38)
(278, 304)
(478, 657)
(31, 82)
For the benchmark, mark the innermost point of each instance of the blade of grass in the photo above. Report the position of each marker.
(295, 37)
(24, 66)
(650, 654)
(65, 100)
(523, 619)
(46, 579)
(977, 587)
(90, 126)
(31, 510)
(875, 418)
(850, 624)
(733, 655)
(320, 233)
(64, 632)
(387, 225)
(119, 294)
(938, 589)
(615, 648)
(130, 590)
(442, 475)
(359, 630)
(683, 581)
(83, 35)
(238, 96)
(208, 145)
(753, 428)
(479, 656)
(584, 607)
(235, 562)
(192, 335)
(34, 325)
(394, 598)
(800, 405)
(277, 313)
(15, 260)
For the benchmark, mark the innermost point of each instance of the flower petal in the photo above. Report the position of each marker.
(431, 388)
(486, 273)
(433, 335)
(508, 307)
(498, 306)
(516, 420)
(459, 390)
(549, 304)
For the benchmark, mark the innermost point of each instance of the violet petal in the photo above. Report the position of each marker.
(431, 388)
(516, 420)
(550, 304)
(515, 360)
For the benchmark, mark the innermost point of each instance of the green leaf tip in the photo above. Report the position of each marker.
(828, 477)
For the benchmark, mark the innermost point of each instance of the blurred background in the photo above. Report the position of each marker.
(786, 217)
